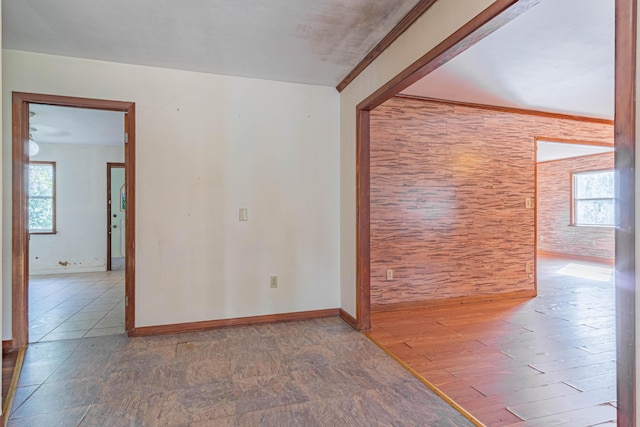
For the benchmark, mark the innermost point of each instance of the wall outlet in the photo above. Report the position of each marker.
(243, 214)
(389, 274)
(273, 282)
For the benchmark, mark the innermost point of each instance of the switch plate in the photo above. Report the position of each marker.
(273, 282)
(389, 274)
(528, 267)
(528, 202)
(243, 214)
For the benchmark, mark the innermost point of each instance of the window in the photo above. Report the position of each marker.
(593, 198)
(42, 197)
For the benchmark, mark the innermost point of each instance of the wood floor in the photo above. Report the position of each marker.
(548, 361)
(311, 373)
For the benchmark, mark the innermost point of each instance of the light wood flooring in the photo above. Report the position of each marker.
(311, 373)
(547, 361)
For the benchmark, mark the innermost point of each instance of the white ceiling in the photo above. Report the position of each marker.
(557, 57)
(305, 41)
(549, 150)
(67, 125)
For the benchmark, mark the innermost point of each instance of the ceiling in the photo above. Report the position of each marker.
(67, 125)
(550, 150)
(557, 57)
(304, 41)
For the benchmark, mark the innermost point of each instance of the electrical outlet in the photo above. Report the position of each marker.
(273, 282)
(243, 214)
(389, 274)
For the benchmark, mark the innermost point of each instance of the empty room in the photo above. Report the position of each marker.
(253, 279)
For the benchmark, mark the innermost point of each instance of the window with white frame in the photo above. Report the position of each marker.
(593, 198)
(42, 197)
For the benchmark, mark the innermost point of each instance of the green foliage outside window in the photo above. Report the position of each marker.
(41, 197)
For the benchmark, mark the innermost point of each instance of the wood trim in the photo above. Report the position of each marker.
(110, 166)
(130, 218)
(595, 259)
(492, 18)
(513, 110)
(377, 308)
(7, 345)
(20, 243)
(625, 154)
(576, 157)
(19, 232)
(349, 319)
(574, 141)
(13, 386)
(486, 22)
(416, 12)
(363, 226)
(179, 328)
(430, 385)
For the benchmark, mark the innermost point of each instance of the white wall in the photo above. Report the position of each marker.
(440, 21)
(80, 244)
(206, 146)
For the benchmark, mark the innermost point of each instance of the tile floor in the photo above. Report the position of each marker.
(310, 373)
(66, 306)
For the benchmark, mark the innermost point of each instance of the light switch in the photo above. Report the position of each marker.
(528, 202)
(243, 214)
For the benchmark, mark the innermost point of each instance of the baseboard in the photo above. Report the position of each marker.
(349, 319)
(67, 270)
(596, 259)
(7, 345)
(177, 328)
(453, 301)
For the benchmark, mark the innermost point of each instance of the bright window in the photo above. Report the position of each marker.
(593, 198)
(42, 197)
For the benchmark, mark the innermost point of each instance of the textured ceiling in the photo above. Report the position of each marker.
(305, 41)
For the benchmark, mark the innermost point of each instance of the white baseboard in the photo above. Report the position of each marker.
(68, 270)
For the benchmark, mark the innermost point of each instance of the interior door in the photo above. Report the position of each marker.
(117, 205)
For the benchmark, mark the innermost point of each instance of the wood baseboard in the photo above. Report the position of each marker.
(596, 259)
(177, 328)
(349, 319)
(453, 301)
(7, 345)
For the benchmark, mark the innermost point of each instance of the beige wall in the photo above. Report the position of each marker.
(80, 242)
(440, 21)
(208, 145)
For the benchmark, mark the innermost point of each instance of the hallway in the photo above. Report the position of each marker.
(545, 361)
(67, 306)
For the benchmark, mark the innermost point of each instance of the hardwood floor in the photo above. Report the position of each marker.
(309, 373)
(547, 361)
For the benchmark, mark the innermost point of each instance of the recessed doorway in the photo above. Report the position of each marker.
(23, 103)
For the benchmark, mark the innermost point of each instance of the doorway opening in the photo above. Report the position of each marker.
(116, 214)
(20, 212)
(492, 18)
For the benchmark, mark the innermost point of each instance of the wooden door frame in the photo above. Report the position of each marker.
(495, 16)
(110, 166)
(20, 235)
(489, 20)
